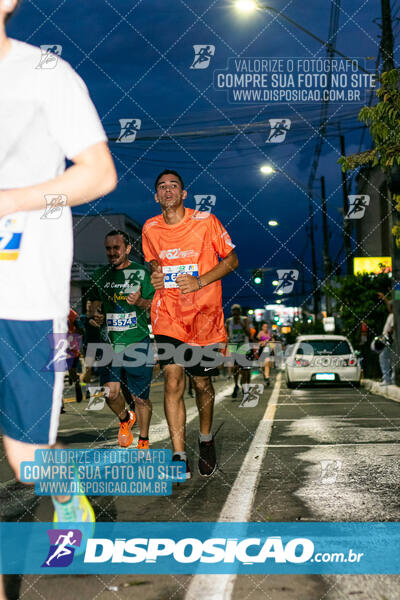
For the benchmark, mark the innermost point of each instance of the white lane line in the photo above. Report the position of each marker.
(359, 444)
(344, 418)
(294, 404)
(237, 507)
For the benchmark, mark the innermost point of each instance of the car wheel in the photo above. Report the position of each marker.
(290, 384)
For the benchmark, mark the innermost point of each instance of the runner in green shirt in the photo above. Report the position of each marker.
(124, 290)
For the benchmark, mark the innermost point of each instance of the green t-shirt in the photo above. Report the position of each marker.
(125, 323)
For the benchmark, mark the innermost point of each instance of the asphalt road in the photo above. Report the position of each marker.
(320, 454)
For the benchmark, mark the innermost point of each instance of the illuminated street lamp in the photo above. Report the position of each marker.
(273, 223)
(246, 6)
(267, 170)
(275, 282)
(250, 6)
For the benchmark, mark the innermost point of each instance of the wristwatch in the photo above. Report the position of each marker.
(199, 282)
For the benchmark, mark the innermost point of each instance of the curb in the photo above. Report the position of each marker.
(392, 392)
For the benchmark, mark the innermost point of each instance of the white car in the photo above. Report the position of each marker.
(322, 359)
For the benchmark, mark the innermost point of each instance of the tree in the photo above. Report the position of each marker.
(383, 121)
(357, 301)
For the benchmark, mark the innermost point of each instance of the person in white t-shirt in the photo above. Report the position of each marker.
(386, 356)
(46, 116)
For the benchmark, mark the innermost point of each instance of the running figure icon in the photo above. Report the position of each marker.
(287, 279)
(62, 546)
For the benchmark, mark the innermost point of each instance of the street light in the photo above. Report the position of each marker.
(273, 223)
(246, 6)
(267, 170)
(249, 6)
(275, 282)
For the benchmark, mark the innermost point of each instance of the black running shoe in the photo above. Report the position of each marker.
(235, 391)
(207, 459)
(175, 458)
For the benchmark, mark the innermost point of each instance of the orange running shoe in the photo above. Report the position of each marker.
(125, 435)
(143, 445)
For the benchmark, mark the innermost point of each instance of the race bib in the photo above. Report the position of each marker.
(121, 321)
(172, 272)
(238, 336)
(11, 231)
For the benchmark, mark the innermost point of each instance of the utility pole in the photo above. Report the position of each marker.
(316, 290)
(346, 222)
(387, 37)
(327, 261)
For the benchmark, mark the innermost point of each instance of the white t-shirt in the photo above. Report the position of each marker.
(45, 116)
(389, 324)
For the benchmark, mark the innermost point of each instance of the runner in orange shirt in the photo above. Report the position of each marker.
(189, 251)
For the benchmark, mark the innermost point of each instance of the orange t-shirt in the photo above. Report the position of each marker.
(192, 246)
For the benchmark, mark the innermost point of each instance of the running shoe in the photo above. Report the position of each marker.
(125, 435)
(78, 511)
(235, 391)
(143, 445)
(176, 457)
(207, 458)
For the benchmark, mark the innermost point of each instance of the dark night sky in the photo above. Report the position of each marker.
(135, 57)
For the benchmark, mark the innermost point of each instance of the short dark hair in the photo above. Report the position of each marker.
(124, 235)
(9, 15)
(169, 172)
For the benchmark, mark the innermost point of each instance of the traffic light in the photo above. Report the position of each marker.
(258, 276)
(276, 318)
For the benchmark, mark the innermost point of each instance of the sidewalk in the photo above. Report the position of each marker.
(389, 391)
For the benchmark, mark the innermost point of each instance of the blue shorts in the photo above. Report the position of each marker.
(136, 377)
(31, 381)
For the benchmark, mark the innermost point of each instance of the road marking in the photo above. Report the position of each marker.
(237, 507)
(294, 404)
(159, 430)
(377, 442)
(344, 418)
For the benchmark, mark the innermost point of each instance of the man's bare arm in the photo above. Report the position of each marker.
(92, 175)
(224, 267)
(187, 283)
